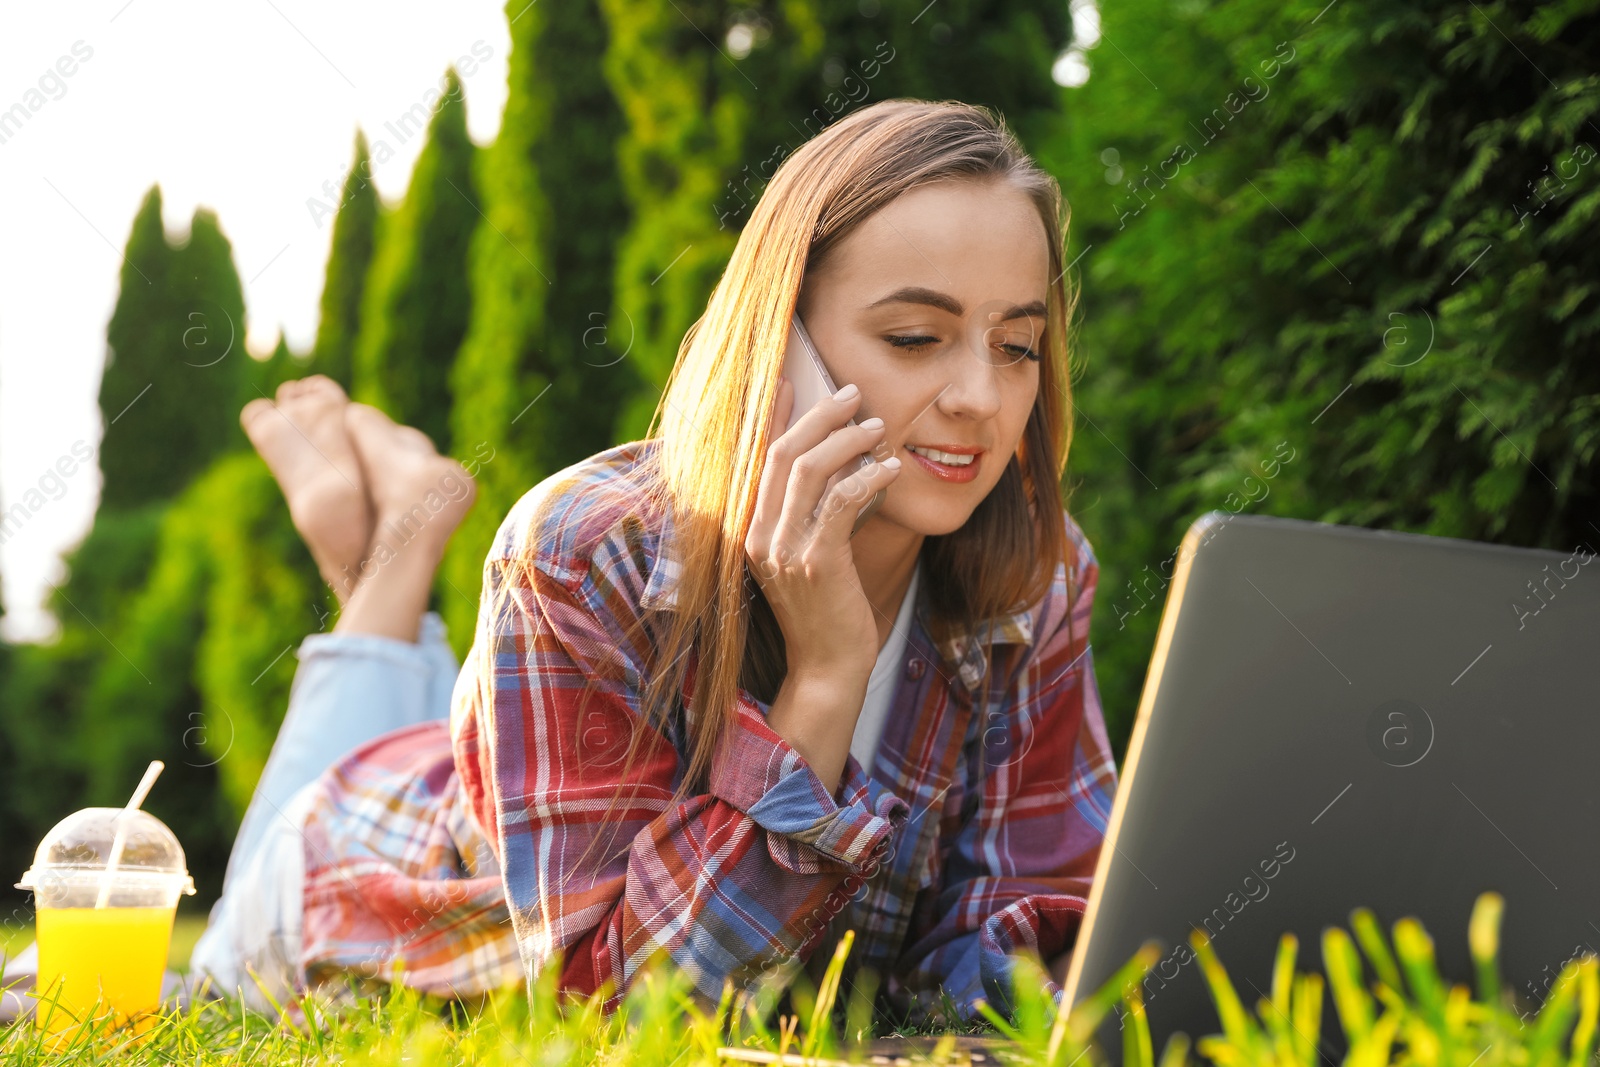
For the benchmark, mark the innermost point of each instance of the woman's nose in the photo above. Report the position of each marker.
(972, 389)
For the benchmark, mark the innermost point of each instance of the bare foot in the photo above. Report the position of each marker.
(418, 496)
(303, 439)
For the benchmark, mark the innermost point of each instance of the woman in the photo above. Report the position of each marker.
(698, 716)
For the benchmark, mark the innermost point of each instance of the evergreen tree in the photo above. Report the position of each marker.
(138, 702)
(199, 661)
(1357, 236)
(712, 114)
(174, 371)
(684, 136)
(534, 391)
(42, 773)
(418, 300)
(349, 259)
(265, 597)
(45, 696)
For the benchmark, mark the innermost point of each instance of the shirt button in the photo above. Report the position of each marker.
(916, 668)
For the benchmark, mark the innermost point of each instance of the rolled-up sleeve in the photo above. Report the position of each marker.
(763, 776)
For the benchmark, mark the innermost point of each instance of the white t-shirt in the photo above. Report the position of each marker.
(880, 686)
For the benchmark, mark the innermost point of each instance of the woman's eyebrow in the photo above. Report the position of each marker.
(916, 294)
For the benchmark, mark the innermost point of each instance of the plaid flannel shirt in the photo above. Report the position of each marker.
(453, 851)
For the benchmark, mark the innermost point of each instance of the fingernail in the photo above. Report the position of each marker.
(873, 423)
(893, 462)
(847, 392)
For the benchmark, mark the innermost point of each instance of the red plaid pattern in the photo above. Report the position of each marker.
(455, 851)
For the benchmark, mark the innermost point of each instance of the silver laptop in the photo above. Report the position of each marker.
(1336, 717)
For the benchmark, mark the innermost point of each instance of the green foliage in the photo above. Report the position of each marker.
(1417, 1020)
(108, 565)
(176, 645)
(350, 257)
(264, 597)
(1045, 1036)
(140, 701)
(706, 131)
(205, 663)
(1318, 234)
(527, 386)
(41, 772)
(684, 131)
(997, 53)
(661, 1021)
(417, 302)
(83, 716)
(174, 377)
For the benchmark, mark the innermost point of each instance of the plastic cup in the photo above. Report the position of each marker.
(103, 931)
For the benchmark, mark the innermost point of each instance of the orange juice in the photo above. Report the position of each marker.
(115, 956)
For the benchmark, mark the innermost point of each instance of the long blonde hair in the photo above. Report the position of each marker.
(714, 418)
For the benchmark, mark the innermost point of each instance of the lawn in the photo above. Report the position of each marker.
(1395, 1009)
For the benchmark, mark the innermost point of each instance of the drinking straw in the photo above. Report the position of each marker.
(117, 842)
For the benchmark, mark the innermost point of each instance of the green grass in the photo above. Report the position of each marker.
(1394, 1007)
(13, 939)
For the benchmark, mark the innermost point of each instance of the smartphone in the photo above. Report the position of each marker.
(803, 366)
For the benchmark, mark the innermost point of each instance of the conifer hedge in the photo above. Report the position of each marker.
(1338, 262)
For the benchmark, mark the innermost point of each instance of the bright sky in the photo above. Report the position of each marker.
(246, 108)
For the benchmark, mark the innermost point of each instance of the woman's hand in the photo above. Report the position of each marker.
(807, 571)
(804, 564)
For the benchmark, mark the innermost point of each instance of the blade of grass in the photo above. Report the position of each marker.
(1554, 1017)
(858, 1013)
(1236, 1023)
(1370, 937)
(1458, 1010)
(1136, 1046)
(1380, 1042)
(1283, 972)
(998, 1021)
(1275, 1014)
(1076, 1024)
(1175, 1053)
(1583, 1036)
(1350, 999)
(1415, 949)
(821, 1029)
(1307, 1018)
(1483, 938)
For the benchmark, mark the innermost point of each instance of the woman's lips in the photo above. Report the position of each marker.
(945, 471)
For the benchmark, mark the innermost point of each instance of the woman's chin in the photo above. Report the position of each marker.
(926, 516)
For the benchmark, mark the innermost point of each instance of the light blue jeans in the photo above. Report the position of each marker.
(347, 690)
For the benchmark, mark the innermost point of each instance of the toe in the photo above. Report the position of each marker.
(413, 438)
(254, 410)
(368, 427)
(366, 417)
(322, 384)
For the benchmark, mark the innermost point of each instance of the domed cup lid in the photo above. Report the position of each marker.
(78, 849)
